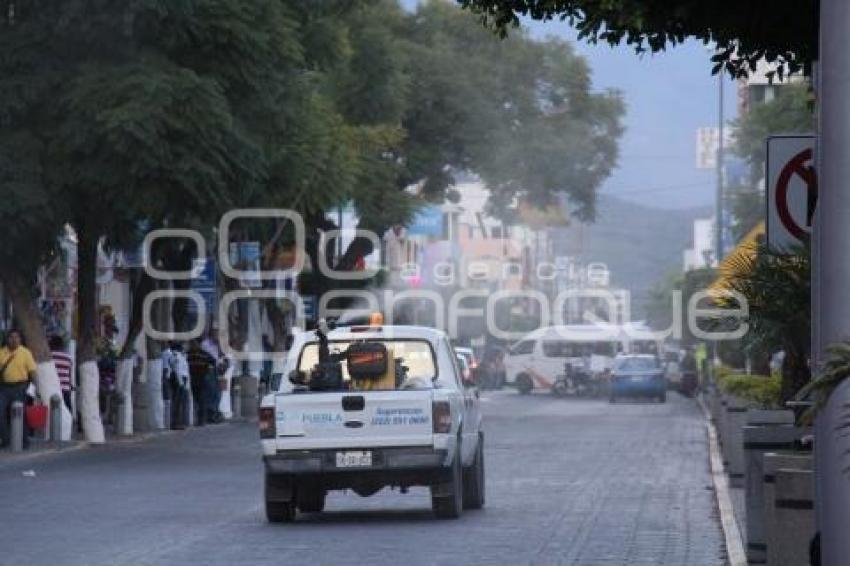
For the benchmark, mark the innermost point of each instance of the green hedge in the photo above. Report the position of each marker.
(761, 390)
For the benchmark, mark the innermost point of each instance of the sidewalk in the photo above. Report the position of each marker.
(40, 447)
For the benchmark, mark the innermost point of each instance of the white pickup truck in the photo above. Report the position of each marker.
(412, 422)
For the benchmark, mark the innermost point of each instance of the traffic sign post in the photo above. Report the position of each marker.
(791, 190)
(831, 274)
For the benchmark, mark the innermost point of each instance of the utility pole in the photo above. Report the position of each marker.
(831, 270)
(718, 224)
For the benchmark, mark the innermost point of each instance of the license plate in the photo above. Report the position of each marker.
(354, 459)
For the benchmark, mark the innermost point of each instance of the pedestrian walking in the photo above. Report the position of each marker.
(211, 347)
(201, 372)
(17, 372)
(64, 365)
(690, 374)
(178, 381)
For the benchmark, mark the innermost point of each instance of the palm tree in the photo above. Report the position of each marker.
(776, 284)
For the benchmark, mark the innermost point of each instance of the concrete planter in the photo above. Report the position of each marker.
(757, 441)
(770, 417)
(734, 422)
(794, 517)
(722, 403)
(774, 461)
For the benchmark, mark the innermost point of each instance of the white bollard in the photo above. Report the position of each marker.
(225, 405)
(17, 427)
(166, 414)
(124, 426)
(141, 416)
(236, 400)
(55, 427)
(156, 409)
(124, 386)
(736, 419)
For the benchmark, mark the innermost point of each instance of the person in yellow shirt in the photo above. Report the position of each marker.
(17, 370)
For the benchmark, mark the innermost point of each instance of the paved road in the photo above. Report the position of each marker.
(569, 482)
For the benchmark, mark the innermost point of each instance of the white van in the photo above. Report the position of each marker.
(540, 356)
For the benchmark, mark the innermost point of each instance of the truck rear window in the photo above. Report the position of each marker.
(416, 355)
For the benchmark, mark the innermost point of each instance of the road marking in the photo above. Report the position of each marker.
(731, 531)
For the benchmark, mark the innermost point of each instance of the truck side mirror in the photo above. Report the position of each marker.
(297, 377)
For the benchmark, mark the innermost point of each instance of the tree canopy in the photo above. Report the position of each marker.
(123, 116)
(519, 113)
(782, 31)
(790, 111)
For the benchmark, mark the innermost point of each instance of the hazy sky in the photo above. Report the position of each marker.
(668, 96)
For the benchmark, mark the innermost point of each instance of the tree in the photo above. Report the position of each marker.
(746, 202)
(784, 33)
(519, 113)
(791, 111)
(139, 108)
(157, 113)
(30, 233)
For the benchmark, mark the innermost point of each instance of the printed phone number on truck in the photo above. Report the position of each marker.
(400, 416)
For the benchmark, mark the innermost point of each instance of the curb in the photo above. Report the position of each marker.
(731, 530)
(11, 459)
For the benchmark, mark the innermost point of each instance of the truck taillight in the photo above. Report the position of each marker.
(441, 417)
(266, 420)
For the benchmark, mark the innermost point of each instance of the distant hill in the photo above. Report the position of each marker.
(639, 244)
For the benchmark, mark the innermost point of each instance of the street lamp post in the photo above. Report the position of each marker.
(831, 261)
(718, 223)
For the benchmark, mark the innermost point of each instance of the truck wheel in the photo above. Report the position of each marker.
(473, 479)
(524, 384)
(277, 511)
(311, 500)
(450, 506)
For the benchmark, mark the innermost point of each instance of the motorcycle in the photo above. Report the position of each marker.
(575, 382)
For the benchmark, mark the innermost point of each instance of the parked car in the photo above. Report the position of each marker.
(638, 375)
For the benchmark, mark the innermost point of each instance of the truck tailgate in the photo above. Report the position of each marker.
(353, 419)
